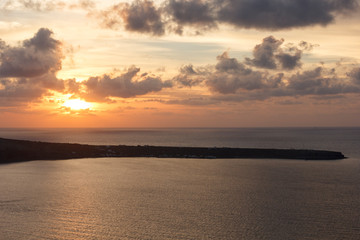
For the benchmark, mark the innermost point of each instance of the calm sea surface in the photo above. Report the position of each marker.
(149, 198)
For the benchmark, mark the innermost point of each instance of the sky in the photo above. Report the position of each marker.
(179, 63)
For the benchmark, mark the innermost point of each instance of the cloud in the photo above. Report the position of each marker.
(144, 16)
(128, 84)
(141, 16)
(19, 91)
(193, 101)
(189, 76)
(28, 71)
(315, 82)
(263, 53)
(194, 13)
(355, 75)
(42, 5)
(289, 102)
(84, 4)
(47, 5)
(72, 86)
(231, 75)
(280, 14)
(270, 55)
(35, 57)
(2, 45)
(305, 46)
(233, 80)
(227, 76)
(289, 61)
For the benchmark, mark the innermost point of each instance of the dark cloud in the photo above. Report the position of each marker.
(141, 16)
(232, 80)
(280, 14)
(227, 76)
(144, 17)
(288, 61)
(43, 41)
(275, 81)
(49, 81)
(230, 75)
(22, 90)
(35, 57)
(312, 82)
(28, 71)
(190, 12)
(194, 13)
(230, 65)
(189, 76)
(318, 82)
(19, 90)
(264, 53)
(269, 54)
(128, 84)
(355, 75)
(307, 80)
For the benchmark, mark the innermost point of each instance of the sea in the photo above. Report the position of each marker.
(169, 198)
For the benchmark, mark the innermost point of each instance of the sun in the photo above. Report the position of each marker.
(76, 104)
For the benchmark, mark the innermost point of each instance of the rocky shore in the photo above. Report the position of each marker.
(21, 150)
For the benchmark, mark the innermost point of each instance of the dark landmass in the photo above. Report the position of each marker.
(21, 150)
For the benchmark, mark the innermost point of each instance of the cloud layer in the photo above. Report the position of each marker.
(175, 16)
(128, 84)
(144, 16)
(28, 73)
(269, 74)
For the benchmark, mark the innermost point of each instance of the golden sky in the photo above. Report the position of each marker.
(179, 63)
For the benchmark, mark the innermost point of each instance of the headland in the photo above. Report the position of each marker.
(22, 150)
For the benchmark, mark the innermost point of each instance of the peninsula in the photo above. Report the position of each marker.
(22, 150)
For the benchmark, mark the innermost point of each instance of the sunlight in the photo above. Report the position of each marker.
(76, 104)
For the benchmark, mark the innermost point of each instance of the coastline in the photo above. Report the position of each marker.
(22, 150)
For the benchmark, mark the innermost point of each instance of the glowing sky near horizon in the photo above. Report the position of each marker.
(179, 63)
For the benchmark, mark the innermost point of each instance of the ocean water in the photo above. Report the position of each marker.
(149, 198)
